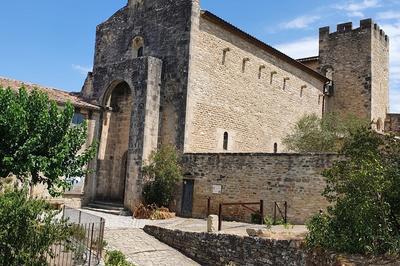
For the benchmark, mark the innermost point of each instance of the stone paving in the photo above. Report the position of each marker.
(142, 249)
(126, 234)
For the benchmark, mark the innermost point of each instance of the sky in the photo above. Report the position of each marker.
(51, 42)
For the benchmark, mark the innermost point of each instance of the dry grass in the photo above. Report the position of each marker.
(152, 212)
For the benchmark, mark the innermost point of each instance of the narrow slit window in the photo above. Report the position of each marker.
(302, 90)
(285, 81)
(226, 139)
(225, 51)
(272, 76)
(275, 147)
(140, 52)
(245, 60)
(260, 71)
(138, 46)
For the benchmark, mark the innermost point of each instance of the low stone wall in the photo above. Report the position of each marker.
(221, 249)
(244, 177)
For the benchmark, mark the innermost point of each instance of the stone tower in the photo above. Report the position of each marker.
(357, 60)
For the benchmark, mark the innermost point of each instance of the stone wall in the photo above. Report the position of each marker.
(358, 59)
(392, 123)
(239, 88)
(221, 249)
(294, 178)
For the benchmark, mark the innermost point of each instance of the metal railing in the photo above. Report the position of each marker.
(245, 205)
(86, 244)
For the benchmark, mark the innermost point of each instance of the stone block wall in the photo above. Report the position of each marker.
(358, 60)
(392, 123)
(294, 178)
(220, 249)
(239, 88)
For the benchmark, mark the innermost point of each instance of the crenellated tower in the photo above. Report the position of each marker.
(357, 60)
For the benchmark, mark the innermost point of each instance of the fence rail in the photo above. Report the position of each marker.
(86, 244)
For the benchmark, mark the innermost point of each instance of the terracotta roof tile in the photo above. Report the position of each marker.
(59, 96)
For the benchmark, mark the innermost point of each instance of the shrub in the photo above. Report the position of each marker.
(163, 173)
(364, 191)
(326, 134)
(28, 229)
(116, 258)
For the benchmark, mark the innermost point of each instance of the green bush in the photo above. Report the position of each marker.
(163, 172)
(116, 258)
(28, 229)
(326, 134)
(364, 191)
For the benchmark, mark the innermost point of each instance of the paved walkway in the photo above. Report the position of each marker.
(126, 234)
(142, 249)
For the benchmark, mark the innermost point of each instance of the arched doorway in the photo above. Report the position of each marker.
(113, 150)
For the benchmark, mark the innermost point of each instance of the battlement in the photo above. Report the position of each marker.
(365, 24)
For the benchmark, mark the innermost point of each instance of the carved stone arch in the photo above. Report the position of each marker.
(117, 102)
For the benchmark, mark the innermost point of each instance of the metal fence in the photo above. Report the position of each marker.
(86, 244)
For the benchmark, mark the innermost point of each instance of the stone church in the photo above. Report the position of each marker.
(167, 72)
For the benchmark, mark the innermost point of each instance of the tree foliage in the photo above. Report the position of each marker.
(37, 142)
(326, 134)
(163, 171)
(364, 190)
(28, 229)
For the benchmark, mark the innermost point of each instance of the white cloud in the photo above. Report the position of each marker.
(299, 22)
(301, 48)
(83, 70)
(388, 15)
(354, 9)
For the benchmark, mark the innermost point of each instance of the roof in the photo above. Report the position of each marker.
(233, 29)
(59, 96)
(308, 59)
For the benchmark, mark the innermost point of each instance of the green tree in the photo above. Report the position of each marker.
(163, 172)
(28, 229)
(37, 142)
(364, 190)
(326, 134)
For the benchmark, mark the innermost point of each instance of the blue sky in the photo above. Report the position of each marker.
(52, 42)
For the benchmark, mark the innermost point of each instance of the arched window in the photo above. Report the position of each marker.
(226, 139)
(275, 147)
(138, 46)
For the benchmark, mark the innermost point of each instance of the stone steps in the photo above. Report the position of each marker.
(107, 207)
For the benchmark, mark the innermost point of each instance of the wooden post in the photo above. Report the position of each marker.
(262, 211)
(208, 206)
(274, 213)
(220, 217)
(285, 212)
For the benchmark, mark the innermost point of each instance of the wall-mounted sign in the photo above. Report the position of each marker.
(216, 189)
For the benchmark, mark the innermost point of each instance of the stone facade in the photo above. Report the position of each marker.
(357, 60)
(248, 92)
(253, 177)
(166, 72)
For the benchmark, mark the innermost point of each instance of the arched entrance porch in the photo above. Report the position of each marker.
(114, 142)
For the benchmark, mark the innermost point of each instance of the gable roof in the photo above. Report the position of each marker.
(59, 96)
(260, 44)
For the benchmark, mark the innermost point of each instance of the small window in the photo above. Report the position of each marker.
(226, 139)
(140, 52)
(245, 60)
(285, 81)
(260, 71)
(272, 76)
(138, 46)
(275, 147)
(225, 51)
(78, 119)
